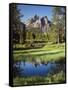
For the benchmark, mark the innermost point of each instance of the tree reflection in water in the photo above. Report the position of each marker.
(36, 61)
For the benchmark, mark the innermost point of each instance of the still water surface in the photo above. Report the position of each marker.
(34, 69)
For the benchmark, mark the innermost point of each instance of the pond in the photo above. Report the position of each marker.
(27, 69)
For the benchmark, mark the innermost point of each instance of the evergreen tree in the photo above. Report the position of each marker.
(59, 22)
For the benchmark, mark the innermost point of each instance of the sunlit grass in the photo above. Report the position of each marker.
(47, 47)
(47, 53)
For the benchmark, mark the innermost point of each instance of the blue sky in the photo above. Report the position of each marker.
(29, 11)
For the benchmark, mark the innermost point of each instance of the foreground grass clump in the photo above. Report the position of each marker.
(49, 79)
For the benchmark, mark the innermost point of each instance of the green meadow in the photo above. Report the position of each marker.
(47, 53)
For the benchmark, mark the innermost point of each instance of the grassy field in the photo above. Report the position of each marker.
(47, 53)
